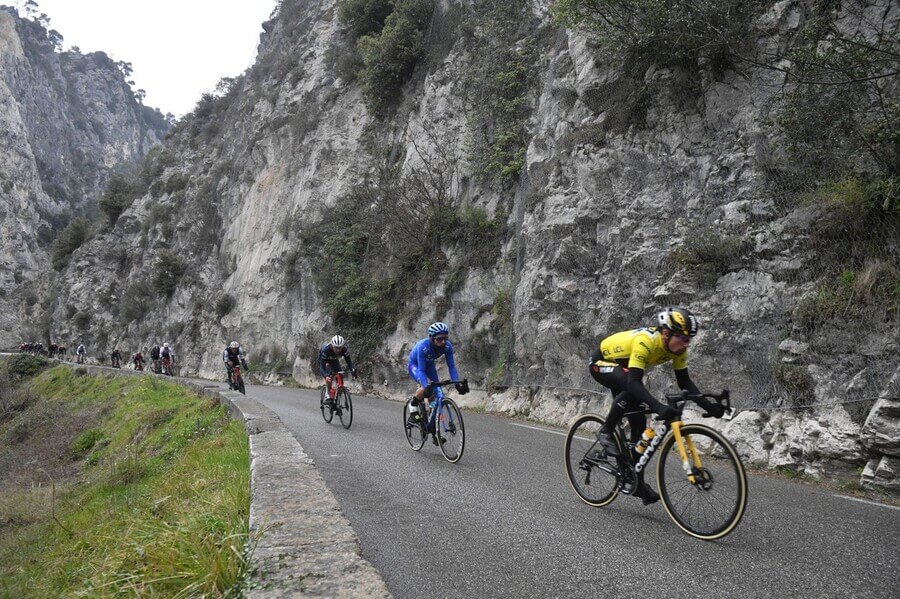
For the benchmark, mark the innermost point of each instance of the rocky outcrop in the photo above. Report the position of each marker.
(618, 210)
(67, 121)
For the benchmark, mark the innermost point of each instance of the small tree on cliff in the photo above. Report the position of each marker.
(117, 198)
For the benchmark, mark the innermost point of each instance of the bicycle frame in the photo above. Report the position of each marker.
(685, 444)
(436, 410)
(235, 373)
(338, 381)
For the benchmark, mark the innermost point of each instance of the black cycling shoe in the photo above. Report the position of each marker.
(647, 495)
(608, 443)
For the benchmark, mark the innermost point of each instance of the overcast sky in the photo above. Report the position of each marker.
(179, 48)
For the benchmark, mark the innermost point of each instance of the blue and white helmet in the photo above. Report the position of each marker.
(337, 341)
(438, 328)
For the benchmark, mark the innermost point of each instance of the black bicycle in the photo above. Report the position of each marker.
(701, 479)
(341, 405)
(443, 421)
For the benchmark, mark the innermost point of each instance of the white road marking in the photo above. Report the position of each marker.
(538, 428)
(547, 430)
(892, 507)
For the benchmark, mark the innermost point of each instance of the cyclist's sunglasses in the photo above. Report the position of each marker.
(440, 337)
(683, 338)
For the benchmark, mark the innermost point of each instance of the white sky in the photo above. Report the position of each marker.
(179, 49)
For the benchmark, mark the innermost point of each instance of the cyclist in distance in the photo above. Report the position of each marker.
(330, 356)
(421, 366)
(154, 357)
(116, 357)
(232, 356)
(137, 358)
(619, 365)
(80, 353)
(167, 354)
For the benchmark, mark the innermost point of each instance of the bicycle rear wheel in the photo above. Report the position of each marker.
(594, 476)
(415, 433)
(450, 431)
(327, 412)
(345, 407)
(712, 504)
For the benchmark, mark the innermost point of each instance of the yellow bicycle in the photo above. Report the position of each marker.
(701, 479)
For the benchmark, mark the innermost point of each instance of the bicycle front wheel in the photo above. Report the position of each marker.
(594, 476)
(415, 432)
(240, 385)
(450, 431)
(707, 495)
(325, 406)
(345, 407)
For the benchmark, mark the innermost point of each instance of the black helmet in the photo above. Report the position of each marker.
(678, 320)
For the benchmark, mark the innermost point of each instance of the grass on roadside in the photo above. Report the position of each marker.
(159, 507)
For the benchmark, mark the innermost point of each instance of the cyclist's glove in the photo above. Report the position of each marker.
(353, 372)
(244, 364)
(667, 412)
(462, 388)
(429, 391)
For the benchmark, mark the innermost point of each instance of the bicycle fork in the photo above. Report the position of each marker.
(685, 440)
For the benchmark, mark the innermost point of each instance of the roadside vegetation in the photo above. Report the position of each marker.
(118, 486)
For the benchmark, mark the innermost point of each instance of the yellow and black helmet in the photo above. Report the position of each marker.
(678, 320)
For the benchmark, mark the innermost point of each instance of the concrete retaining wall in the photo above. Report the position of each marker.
(307, 547)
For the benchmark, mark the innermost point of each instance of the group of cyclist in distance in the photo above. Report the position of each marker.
(162, 358)
(619, 364)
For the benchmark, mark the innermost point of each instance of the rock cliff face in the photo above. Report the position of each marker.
(67, 120)
(630, 193)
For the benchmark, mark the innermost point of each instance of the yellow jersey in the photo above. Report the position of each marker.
(640, 348)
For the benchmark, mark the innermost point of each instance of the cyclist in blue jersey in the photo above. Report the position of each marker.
(421, 366)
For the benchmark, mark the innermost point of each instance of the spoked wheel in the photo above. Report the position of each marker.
(450, 431)
(240, 385)
(325, 406)
(709, 502)
(415, 433)
(345, 407)
(592, 474)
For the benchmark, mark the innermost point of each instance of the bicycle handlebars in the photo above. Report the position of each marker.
(723, 398)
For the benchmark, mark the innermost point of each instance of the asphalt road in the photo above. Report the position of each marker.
(504, 522)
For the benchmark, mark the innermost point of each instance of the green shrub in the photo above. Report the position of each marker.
(479, 237)
(138, 300)
(24, 366)
(169, 270)
(498, 80)
(364, 17)
(127, 470)
(390, 56)
(118, 196)
(176, 183)
(82, 320)
(291, 274)
(225, 304)
(85, 442)
(858, 224)
(76, 233)
(672, 33)
(709, 255)
(795, 383)
(866, 296)
(840, 112)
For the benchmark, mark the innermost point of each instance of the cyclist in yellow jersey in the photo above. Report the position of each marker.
(619, 364)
